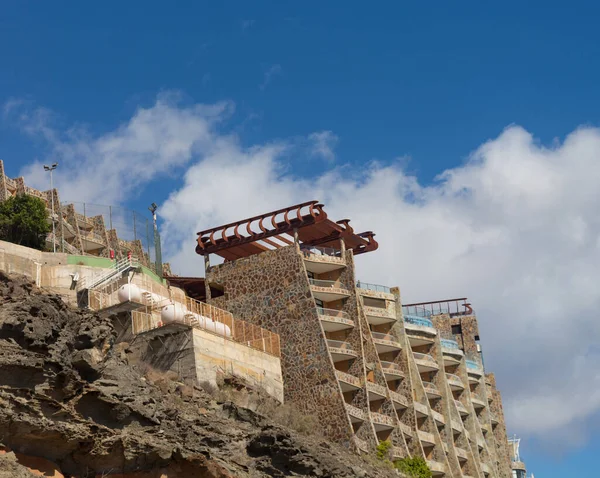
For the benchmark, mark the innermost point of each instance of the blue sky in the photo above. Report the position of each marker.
(418, 88)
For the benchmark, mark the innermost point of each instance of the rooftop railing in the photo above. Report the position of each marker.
(415, 320)
(452, 307)
(416, 311)
(320, 251)
(373, 287)
(339, 314)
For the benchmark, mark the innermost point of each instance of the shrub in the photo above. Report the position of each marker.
(383, 449)
(24, 221)
(415, 467)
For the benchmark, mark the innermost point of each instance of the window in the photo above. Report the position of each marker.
(319, 303)
(456, 329)
(311, 275)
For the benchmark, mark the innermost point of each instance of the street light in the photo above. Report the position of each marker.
(157, 252)
(52, 168)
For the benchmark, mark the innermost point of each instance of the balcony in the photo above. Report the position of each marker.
(400, 402)
(334, 320)
(328, 290)
(421, 410)
(474, 369)
(420, 330)
(478, 403)
(382, 422)
(455, 382)
(374, 290)
(456, 426)
(385, 342)
(83, 222)
(398, 453)
(493, 419)
(404, 428)
(480, 443)
(91, 241)
(392, 371)
(376, 391)
(348, 382)
(322, 259)
(437, 468)
(461, 453)
(461, 408)
(426, 438)
(378, 315)
(486, 469)
(425, 362)
(451, 352)
(438, 418)
(341, 351)
(356, 414)
(431, 390)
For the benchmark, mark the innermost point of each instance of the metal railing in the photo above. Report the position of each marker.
(326, 283)
(373, 287)
(416, 310)
(425, 357)
(415, 320)
(335, 313)
(449, 344)
(320, 251)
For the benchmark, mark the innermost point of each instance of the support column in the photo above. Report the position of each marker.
(343, 247)
(206, 270)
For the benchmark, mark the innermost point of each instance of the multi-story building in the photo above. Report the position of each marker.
(76, 232)
(367, 368)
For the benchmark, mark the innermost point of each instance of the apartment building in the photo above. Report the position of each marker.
(78, 232)
(368, 368)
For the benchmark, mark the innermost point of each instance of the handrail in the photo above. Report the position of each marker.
(416, 320)
(416, 311)
(332, 313)
(320, 251)
(373, 287)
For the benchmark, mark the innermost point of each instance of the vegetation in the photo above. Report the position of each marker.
(383, 449)
(415, 467)
(24, 221)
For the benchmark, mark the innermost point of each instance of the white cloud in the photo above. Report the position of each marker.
(270, 72)
(515, 229)
(322, 144)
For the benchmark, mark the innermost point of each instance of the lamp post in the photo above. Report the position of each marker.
(157, 252)
(52, 168)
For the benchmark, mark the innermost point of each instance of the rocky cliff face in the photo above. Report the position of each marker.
(71, 405)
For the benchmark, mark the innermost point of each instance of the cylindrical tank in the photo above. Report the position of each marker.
(173, 313)
(129, 292)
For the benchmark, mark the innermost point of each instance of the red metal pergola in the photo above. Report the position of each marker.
(277, 229)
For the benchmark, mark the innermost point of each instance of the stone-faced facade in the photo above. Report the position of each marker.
(366, 370)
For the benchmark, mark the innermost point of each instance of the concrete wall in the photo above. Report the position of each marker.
(214, 353)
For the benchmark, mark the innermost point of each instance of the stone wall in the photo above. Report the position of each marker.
(272, 290)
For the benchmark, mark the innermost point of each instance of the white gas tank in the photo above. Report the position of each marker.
(129, 292)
